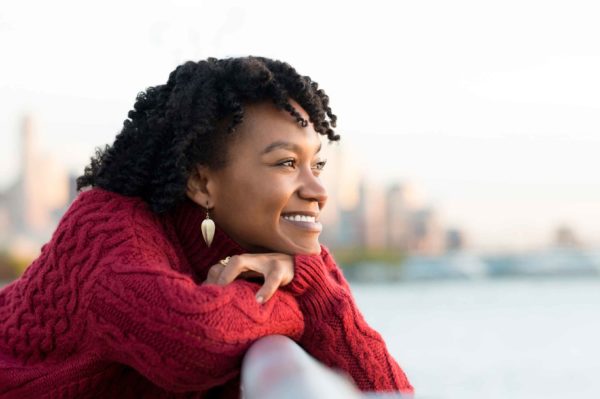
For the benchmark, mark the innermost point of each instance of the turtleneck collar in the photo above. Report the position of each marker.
(187, 218)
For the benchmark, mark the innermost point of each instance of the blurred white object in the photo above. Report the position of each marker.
(275, 367)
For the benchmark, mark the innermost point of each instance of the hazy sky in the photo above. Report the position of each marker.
(493, 108)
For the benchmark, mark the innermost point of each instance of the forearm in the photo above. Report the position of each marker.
(343, 340)
(336, 332)
(183, 336)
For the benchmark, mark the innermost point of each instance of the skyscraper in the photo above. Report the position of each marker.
(40, 189)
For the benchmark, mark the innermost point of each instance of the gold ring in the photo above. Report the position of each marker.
(225, 261)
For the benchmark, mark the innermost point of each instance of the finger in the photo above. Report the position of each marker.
(231, 270)
(272, 283)
(250, 274)
(213, 274)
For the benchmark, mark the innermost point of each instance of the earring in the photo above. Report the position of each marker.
(208, 228)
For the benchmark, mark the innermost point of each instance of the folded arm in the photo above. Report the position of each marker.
(335, 330)
(180, 335)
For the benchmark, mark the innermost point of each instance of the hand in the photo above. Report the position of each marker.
(276, 268)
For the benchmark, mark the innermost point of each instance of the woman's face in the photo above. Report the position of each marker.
(269, 196)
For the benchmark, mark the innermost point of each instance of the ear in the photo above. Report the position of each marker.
(200, 187)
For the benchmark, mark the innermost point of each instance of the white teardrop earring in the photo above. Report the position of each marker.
(208, 228)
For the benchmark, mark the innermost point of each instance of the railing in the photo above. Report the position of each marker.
(275, 367)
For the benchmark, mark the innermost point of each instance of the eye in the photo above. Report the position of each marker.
(320, 165)
(288, 162)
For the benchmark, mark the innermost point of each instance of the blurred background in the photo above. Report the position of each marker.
(464, 196)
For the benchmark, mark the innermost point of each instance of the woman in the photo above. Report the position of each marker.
(135, 296)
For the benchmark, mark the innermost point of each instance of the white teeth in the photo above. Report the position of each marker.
(300, 218)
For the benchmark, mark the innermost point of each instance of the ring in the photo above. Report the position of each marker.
(225, 261)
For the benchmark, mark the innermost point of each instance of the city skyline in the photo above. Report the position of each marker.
(498, 125)
(362, 213)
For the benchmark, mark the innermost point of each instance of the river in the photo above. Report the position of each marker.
(491, 338)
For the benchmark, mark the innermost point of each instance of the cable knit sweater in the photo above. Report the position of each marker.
(113, 307)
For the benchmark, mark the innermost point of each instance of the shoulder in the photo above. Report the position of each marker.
(101, 204)
(101, 207)
(116, 224)
(97, 215)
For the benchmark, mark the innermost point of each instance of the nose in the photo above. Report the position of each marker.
(312, 189)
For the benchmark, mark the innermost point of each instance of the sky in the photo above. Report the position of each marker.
(491, 108)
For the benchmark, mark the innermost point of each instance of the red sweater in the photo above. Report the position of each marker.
(113, 307)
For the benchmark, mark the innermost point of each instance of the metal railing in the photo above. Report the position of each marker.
(275, 367)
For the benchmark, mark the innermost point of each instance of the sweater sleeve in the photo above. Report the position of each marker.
(180, 335)
(335, 330)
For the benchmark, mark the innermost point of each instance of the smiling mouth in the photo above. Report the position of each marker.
(304, 222)
(299, 218)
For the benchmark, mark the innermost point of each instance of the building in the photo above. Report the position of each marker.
(566, 237)
(28, 209)
(402, 201)
(428, 234)
(455, 240)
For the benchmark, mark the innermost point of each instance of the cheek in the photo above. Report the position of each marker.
(268, 200)
(254, 201)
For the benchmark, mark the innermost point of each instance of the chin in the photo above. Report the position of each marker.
(290, 249)
(308, 249)
(299, 246)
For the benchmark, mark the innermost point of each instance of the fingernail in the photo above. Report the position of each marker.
(260, 299)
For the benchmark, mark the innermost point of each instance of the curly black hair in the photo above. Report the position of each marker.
(188, 121)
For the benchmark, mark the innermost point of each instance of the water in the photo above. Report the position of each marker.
(491, 339)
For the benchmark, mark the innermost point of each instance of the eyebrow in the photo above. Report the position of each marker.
(286, 145)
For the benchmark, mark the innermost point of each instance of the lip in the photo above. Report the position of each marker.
(314, 227)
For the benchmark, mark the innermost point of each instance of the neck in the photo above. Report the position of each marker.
(187, 218)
